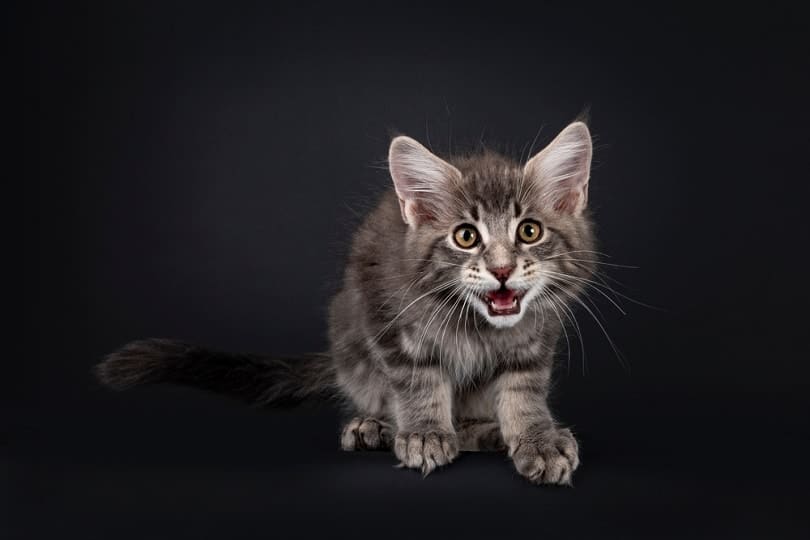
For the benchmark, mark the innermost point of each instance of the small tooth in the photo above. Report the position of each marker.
(514, 302)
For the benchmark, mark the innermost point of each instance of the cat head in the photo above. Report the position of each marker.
(505, 236)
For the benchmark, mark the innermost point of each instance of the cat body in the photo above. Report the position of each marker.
(443, 335)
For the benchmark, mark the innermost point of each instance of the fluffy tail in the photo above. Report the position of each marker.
(256, 379)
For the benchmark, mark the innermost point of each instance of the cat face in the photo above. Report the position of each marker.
(499, 254)
(505, 237)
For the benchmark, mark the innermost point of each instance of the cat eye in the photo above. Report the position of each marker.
(466, 236)
(529, 231)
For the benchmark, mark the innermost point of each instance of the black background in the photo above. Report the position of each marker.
(194, 171)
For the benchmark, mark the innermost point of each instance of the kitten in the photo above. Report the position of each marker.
(443, 336)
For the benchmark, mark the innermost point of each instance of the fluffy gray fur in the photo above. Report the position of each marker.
(427, 365)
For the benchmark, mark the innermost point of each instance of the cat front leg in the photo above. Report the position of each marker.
(425, 437)
(541, 451)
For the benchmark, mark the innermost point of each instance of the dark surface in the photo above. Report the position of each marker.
(194, 172)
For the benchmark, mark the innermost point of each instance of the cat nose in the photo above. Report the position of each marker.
(501, 273)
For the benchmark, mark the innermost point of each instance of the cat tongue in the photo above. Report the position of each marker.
(502, 298)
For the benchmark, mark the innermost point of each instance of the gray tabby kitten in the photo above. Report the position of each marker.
(443, 336)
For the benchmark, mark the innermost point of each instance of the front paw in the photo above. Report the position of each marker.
(425, 450)
(548, 457)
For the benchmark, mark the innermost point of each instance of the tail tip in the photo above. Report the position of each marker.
(135, 363)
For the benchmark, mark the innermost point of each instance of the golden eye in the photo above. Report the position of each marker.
(466, 236)
(529, 231)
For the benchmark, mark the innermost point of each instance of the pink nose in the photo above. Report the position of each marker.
(501, 273)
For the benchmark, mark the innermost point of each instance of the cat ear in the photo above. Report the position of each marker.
(561, 170)
(421, 179)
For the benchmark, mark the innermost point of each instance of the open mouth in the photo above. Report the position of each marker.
(504, 301)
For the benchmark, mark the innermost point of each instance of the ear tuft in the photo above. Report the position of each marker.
(561, 171)
(421, 179)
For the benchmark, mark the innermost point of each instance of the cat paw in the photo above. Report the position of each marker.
(425, 450)
(365, 434)
(549, 457)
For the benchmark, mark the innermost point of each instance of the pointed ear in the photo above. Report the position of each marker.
(421, 179)
(560, 172)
